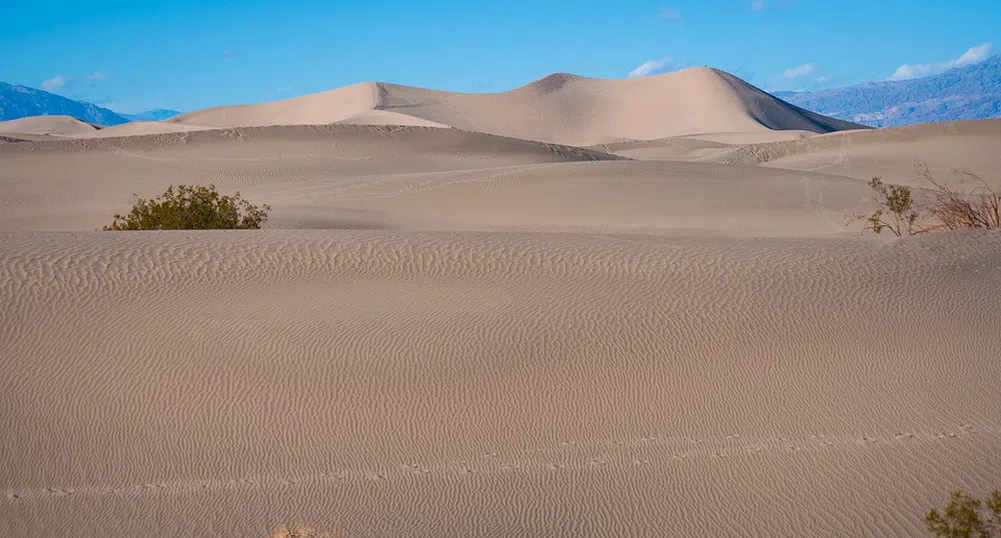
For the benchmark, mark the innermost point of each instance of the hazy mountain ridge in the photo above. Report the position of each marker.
(22, 102)
(158, 114)
(970, 92)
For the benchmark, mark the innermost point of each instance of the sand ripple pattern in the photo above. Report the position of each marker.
(493, 384)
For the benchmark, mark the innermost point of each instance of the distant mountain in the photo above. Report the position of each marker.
(159, 114)
(963, 93)
(22, 101)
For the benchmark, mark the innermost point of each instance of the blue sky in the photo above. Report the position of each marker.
(134, 55)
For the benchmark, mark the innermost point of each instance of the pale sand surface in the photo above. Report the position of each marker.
(680, 148)
(417, 178)
(889, 153)
(386, 117)
(562, 108)
(758, 137)
(140, 128)
(493, 384)
(46, 125)
(449, 333)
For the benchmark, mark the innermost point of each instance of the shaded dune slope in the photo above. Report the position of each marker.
(777, 114)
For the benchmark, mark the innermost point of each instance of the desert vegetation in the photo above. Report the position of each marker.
(190, 207)
(967, 517)
(941, 207)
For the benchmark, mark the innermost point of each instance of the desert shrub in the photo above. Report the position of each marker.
(895, 210)
(190, 207)
(941, 207)
(967, 517)
(979, 207)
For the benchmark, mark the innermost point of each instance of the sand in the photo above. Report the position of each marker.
(451, 333)
(888, 153)
(47, 125)
(140, 128)
(560, 108)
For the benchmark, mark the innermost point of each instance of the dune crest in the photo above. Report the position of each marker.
(47, 125)
(560, 108)
(316, 109)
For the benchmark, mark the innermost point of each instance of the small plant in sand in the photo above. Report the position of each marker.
(942, 206)
(980, 207)
(967, 517)
(895, 211)
(299, 531)
(190, 207)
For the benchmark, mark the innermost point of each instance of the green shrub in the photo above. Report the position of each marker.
(192, 207)
(967, 517)
(896, 210)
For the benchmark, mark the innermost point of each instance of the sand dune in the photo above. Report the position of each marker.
(417, 178)
(560, 108)
(706, 147)
(318, 109)
(140, 128)
(326, 176)
(430, 384)
(889, 153)
(47, 125)
(754, 137)
(679, 148)
(385, 117)
(444, 332)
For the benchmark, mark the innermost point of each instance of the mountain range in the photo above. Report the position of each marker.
(962, 93)
(21, 102)
(158, 114)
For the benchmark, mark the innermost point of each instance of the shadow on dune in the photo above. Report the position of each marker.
(306, 218)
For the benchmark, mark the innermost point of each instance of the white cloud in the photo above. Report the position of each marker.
(823, 80)
(908, 71)
(670, 14)
(974, 55)
(761, 5)
(97, 75)
(54, 83)
(800, 71)
(650, 66)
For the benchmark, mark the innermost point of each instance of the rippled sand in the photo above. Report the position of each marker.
(480, 336)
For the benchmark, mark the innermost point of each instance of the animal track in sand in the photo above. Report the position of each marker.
(573, 455)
